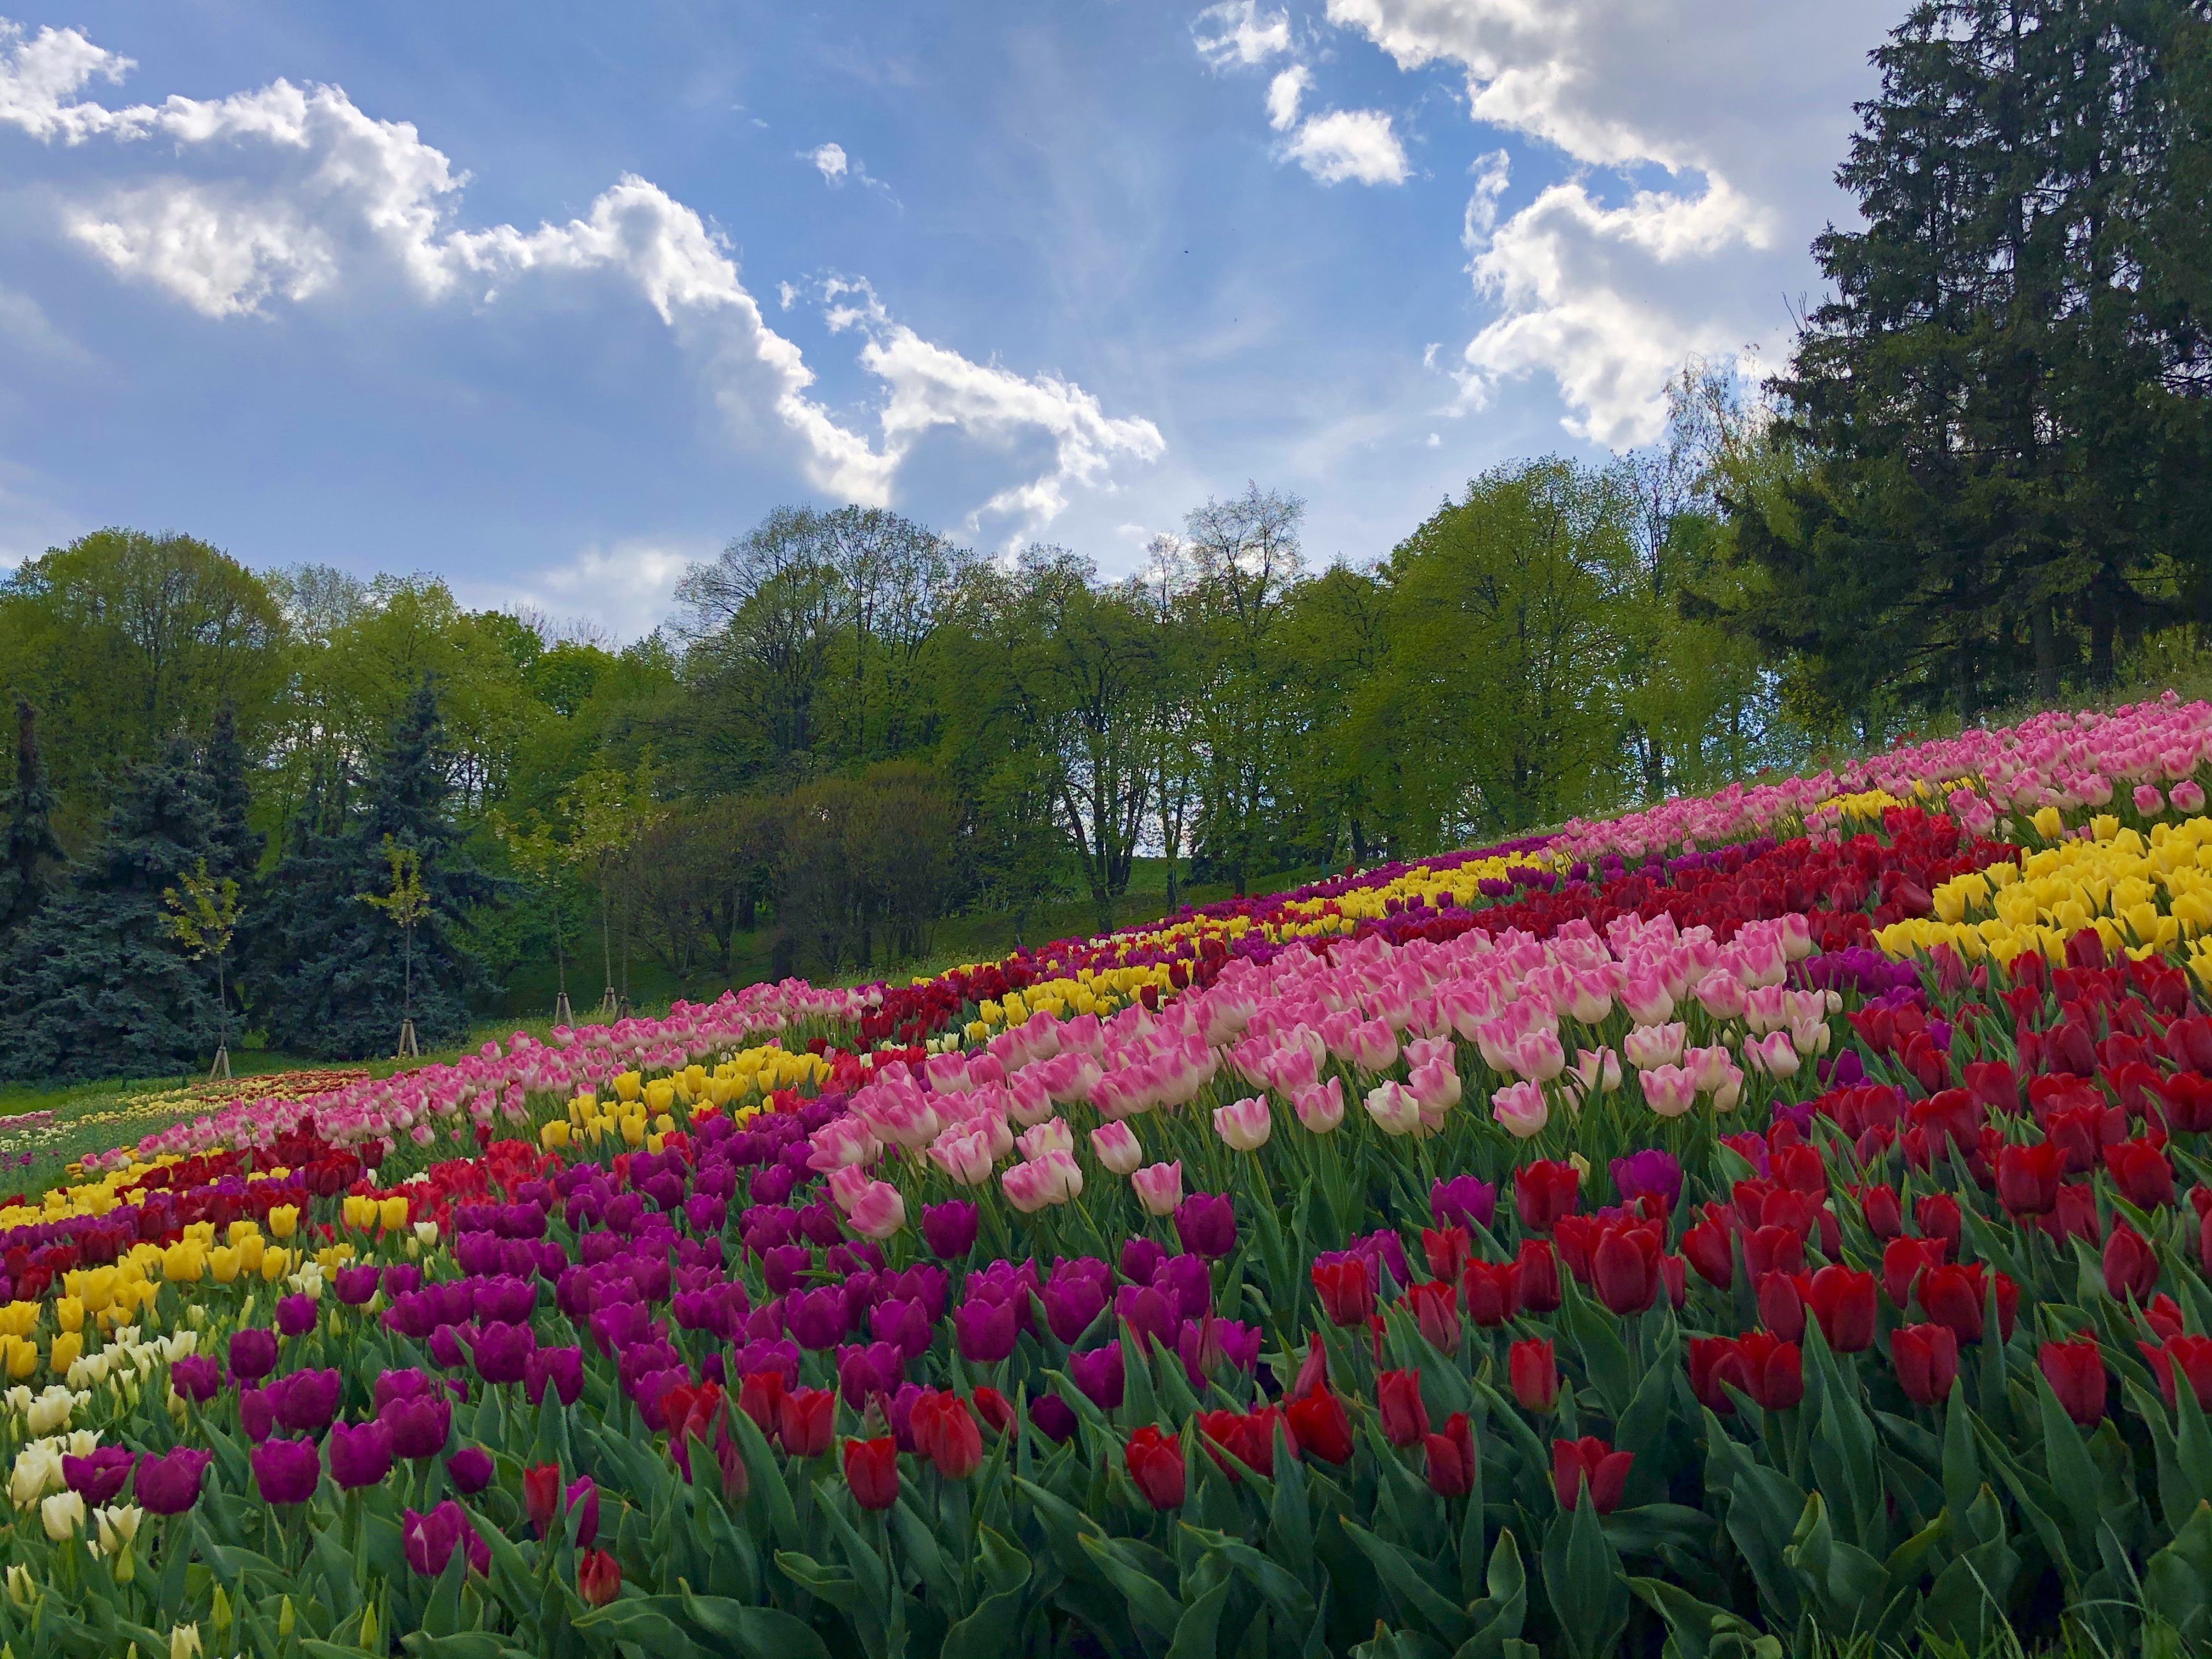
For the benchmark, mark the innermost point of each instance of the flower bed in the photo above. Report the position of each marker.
(1668, 1243)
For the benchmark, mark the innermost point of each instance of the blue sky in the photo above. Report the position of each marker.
(550, 299)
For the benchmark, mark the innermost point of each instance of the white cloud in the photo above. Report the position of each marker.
(1237, 32)
(1283, 95)
(1356, 144)
(829, 159)
(931, 388)
(1745, 104)
(628, 588)
(317, 197)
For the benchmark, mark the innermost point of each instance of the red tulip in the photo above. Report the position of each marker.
(2075, 1372)
(2130, 1265)
(1927, 1361)
(1884, 1220)
(1711, 1250)
(1543, 1192)
(1155, 1462)
(1398, 1399)
(871, 1471)
(1589, 1462)
(806, 1421)
(598, 1578)
(1772, 1250)
(1842, 1299)
(947, 1434)
(541, 1496)
(1449, 1457)
(993, 1407)
(1903, 1261)
(1538, 1284)
(1777, 1368)
(1347, 1294)
(1714, 1360)
(1447, 1250)
(758, 1397)
(1782, 1305)
(2163, 1315)
(1534, 1371)
(1936, 1215)
(2141, 1173)
(2076, 1216)
(2191, 1356)
(1492, 1291)
(1436, 1311)
(2029, 1178)
(1321, 1427)
(1624, 1267)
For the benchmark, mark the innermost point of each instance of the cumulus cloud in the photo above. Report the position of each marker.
(315, 195)
(1283, 95)
(1356, 144)
(829, 159)
(1745, 105)
(628, 588)
(1236, 32)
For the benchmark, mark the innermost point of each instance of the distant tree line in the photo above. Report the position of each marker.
(1982, 477)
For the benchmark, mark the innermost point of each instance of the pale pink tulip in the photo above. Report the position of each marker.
(1721, 995)
(1521, 1109)
(1320, 1106)
(1435, 1084)
(964, 1154)
(877, 1211)
(1595, 1071)
(2188, 796)
(1244, 1125)
(1053, 1135)
(1647, 1046)
(1393, 1108)
(1158, 1187)
(1537, 1054)
(1115, 1145)
(1647, 999)
(2147, 801)
(1374, 1046)
(1710, 1067)
(1670, 1091)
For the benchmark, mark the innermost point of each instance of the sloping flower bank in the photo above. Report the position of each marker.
(1780, 1214)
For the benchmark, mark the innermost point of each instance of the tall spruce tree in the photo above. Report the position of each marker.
(340, 990)
(95, 985)
(235, 845)
(31, 859)
(1991, 491)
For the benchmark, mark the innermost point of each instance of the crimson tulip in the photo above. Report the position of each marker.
(871, 1471)
(1436, 1311)
(2075, 1372)
(1321, 1427)
(1447, 1250)
(1534, 1371)
(1492, 1291)
(2029, 1178)
(1543, 1192)
(1589, 1463)
(1624, 1267)
(2130, 1263)
(1538, 1285)
(1776, 1369)
(1842, 1299)
(2191, 1356)
(1878, 1204)
(541, 1496)
(1449, 1457)
(1927, 1361)
(1155, 1464)
(1903, 1261)
(1772, 1250)
(946, 1432)
(598, 1578)
(1711, 1250)
(1938, 1216)
(1347, 1292)
(1398, 1400)
(1714, 1360)
(2141, 1173)
(806, 1421)
(1782, 1304)
(759, 1396)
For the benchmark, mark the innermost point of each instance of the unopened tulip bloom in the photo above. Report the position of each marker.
(1320, 1105)
(1670, 1091)
(1595, 1071)
(1244, 1125)
(1521, 1109)
(877, 1211)
(1435, 1087)
(62, 1516)
(1053, 1135)
(963, 1154)
(1647, 1046)
(1117, 1149)
(1158, 1187)
(1393, 1108)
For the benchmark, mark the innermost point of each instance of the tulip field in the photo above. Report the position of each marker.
(1771, 1223)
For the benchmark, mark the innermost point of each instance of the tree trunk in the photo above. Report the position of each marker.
(2101, 632)
(2043, 630)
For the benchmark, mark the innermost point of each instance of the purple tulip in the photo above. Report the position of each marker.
(354, 1286)
(581, 1500)
(648, 1388)
(401, 1279)
(1462, 1201)
(1205, 1223)
(196, 1377)
(706, 1213)
(1146, 1312)
(253, 1353)
(170, 1485)
(447, 1349)
(505, 1300)
(1053, 1417)
(904, 1322)
(1071, 1301)
(286, 1470)
(469, 1469)
(420, 1427)
(305, 1401)
(618, 1326)
(564, 1368)
(1142, 1259)
(772, 1185)
(817, 1318)
(1183, 1281)
(784, 1268)
(948, 1229)
(295, 1315)
(427, 1541)
(99, 1477)
(405, 1384)
(503, 1352)
(1205, 1345)
(769, 1355)
(1099, 1374)
(257, 1413)
(865, 1372)
(984, 1331)
(361, 1452)
(1650, 1170)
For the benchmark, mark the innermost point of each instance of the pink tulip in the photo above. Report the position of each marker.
(1374, 1046)
(1320, 1106)
(840, 1142)
(966, 1156)
(1590, 998)
(1670, 1091)
(873, 1208)
(1521, 1108)
(1393, 1108)
(1595, 1071)
(2149, 801)
(1421, 1050)
(1435, 1085)
(1763, 1008)
(1537, 1054)
(1244, 1125)
(1772, 1054)
(2188, 797)
(1053, 1135)
(1721, 995)
(1053, 1179)
(1647, 999)
(1159, 1188)
(1028, 1098)
(1115, 1145)
(1646, 1046)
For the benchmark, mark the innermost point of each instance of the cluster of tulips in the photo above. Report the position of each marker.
(1632, 1253)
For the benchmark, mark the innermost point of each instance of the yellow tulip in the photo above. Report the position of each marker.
(284, 1220)
(391, 1214)
(358, 1212)
(274, 1262)
(249, 1254)
(554, 1135)
(19, 1318)
(68, 1313)
(22, 1357)
(183, 1262)
(242, 1229)
(627, 1086)
(67, 1346)
(222, 1264)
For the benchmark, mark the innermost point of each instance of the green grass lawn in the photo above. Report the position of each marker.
(90, 1117)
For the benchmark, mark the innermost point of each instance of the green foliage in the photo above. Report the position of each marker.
(31, 855)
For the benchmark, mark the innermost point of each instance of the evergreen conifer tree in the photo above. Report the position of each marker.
(341, 990)
(233, 845)
(95, 984)
(31, 859)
